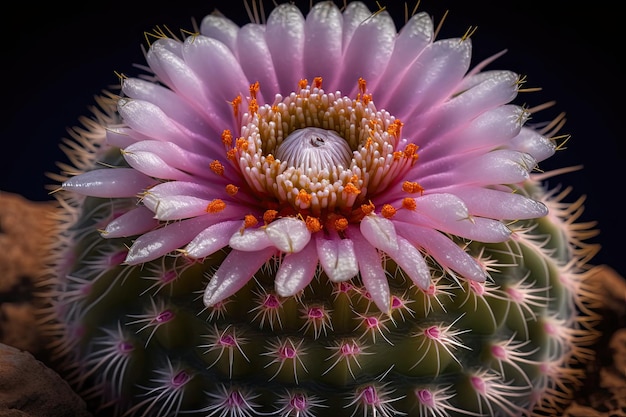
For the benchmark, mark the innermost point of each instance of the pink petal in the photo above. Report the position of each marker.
(222, 75)
(323, 31)
(220, 28)
(171, 67)
(288, 234)
(168, 238)
(533, 143)
(172, 155)
(494, 128)
(354, 14)
(151, 164)
(414, 36)
(109, 183)
(337, 258)
(136, 221)
(256, 60)
(498, 167)
(495, 89)
(447, 253)
(284, 34)
(212, 239)
(448, 213)
(368, 52)
(172, 104)
(150, 120)
(372, 273)
(501, 205)
(296, 271)
(234, 272)
(379, 232)
(432, 78)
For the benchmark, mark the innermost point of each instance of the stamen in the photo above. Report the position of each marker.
(412, 187)
(215, 206)
(388, 211)
(231, 189)
(217, 167)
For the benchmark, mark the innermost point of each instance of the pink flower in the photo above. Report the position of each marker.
(329, 142)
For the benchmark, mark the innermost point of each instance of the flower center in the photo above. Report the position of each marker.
(314, 150)
(317, 155)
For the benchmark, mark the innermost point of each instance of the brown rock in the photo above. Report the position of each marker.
(29, 389)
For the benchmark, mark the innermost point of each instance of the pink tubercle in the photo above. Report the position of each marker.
(425, 397)
(235, 399)
(433, 332)
(180, 379)
(227, 340)
(498, 351)
(315, 313)
(125, 348)
(370, 396)
(478, 384)
(271, 301)
(164, 316)
(350, 349)
(287, 352)
(298, 402)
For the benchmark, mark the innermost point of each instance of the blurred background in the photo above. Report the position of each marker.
(56, 57)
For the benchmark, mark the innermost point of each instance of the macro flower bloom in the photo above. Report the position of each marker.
(328, 144)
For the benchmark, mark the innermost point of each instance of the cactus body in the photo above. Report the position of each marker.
(192, 276)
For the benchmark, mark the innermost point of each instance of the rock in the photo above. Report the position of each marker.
(29, 389)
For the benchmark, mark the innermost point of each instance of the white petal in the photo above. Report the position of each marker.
(412, 263)
(296, 271)
(250, 240)
(212, 239)
(233, 274)
(380, 232)
(288, 234)
(372, 273)
(337, 258)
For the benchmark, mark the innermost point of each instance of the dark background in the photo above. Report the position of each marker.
(56, 57)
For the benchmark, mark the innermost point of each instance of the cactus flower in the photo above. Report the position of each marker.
(317, 214)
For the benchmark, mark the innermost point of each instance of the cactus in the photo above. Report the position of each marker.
(253, 229)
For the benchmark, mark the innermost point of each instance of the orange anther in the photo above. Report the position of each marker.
(313, 224)
(235, 103)
(409, 203)
(269, 216)
(253, 106)
(249, 220)
(351, 189)
(395, 127)
(227, 138)
(362, 85)
(411, 151)
(231, 189)
(254, 88)
(217, 167)
(302, 84)
(304, 198)
(388, 211)
(317, 82)
(215, 206)
(367, 208)
(412, 187)
(241, 144)
(397, 155)
(270, 159)
(231, 154)
(341, 224)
